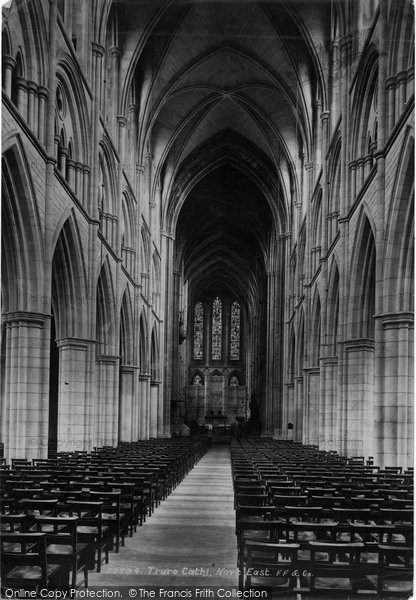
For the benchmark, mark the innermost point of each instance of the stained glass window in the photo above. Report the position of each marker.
(198, 330)
(235, 331)
(216, 329)
(234, 381)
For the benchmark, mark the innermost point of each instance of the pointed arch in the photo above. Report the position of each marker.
(18, 73)
(22, 265)
(399, 260)
(127, 229)
(155, 355)
(315, 332)
(300, 347)
(291, 368)
(333, 308)
(156, 273)
(107, 178)
(365, 97)
(401, 25)
(106, 320)
(69, 282)
(127, 221)
(234, 379)
(363, 271)
(197, 378)
(6, 41)
(317, 221)
(144, 250)
(76, 119)
(335, 179)
(126, 329)
(143, 344)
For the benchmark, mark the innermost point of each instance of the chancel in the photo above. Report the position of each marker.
(207, 296)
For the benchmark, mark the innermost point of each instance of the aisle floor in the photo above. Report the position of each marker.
(190, 538)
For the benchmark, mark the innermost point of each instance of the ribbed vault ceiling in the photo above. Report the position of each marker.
(222, 230)
(200, 70)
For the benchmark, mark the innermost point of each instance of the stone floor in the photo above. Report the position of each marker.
(188, 542)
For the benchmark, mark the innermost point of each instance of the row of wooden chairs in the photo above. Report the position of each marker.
(63, 517)
(303, 528)
(330, 568)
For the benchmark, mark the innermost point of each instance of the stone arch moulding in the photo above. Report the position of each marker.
(69, 279)
(127, 328)
(155, 355)
(362, 277)
(107, 319)
(230, 148)
(399, 249)
(22, 238)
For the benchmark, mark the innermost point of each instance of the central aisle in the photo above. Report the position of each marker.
(189, 540)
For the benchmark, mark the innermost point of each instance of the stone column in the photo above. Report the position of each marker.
(42, 99)
(368, 165)
(171, 327)
(358, 393)
(87, 201)
(401, 82)
(144, 405)
(68, 18)
(21, 86)
(126, 402)
(353, 185)
(70, 171)
(154, 409)
(25, 405)
(115, 88)
(312, 400)
(390, 86)
(75, 404)
(360, 173)
(329, 433)
(63, 155)
(78, 180)
(324, 202)
(410, 82)
(269, 402)
(107, 414)
(32, 109)
(90, 192)
(9, 65)
(299, 416)
(346, 51)
(288, 415)
(336, 76)
(394, 392)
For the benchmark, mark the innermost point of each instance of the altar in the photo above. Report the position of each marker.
(215, 403)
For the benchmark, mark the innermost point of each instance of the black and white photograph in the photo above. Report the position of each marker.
(207, 299)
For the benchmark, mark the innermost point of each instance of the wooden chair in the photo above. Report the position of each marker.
(26, 567)
(252, 499)
(90, 528)
(63, 549)
(271, 565)
(258, 531)
(254, 513)
(14, 523)
(112, 515)
(335, 568)
(395, 570)
(128, 504)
